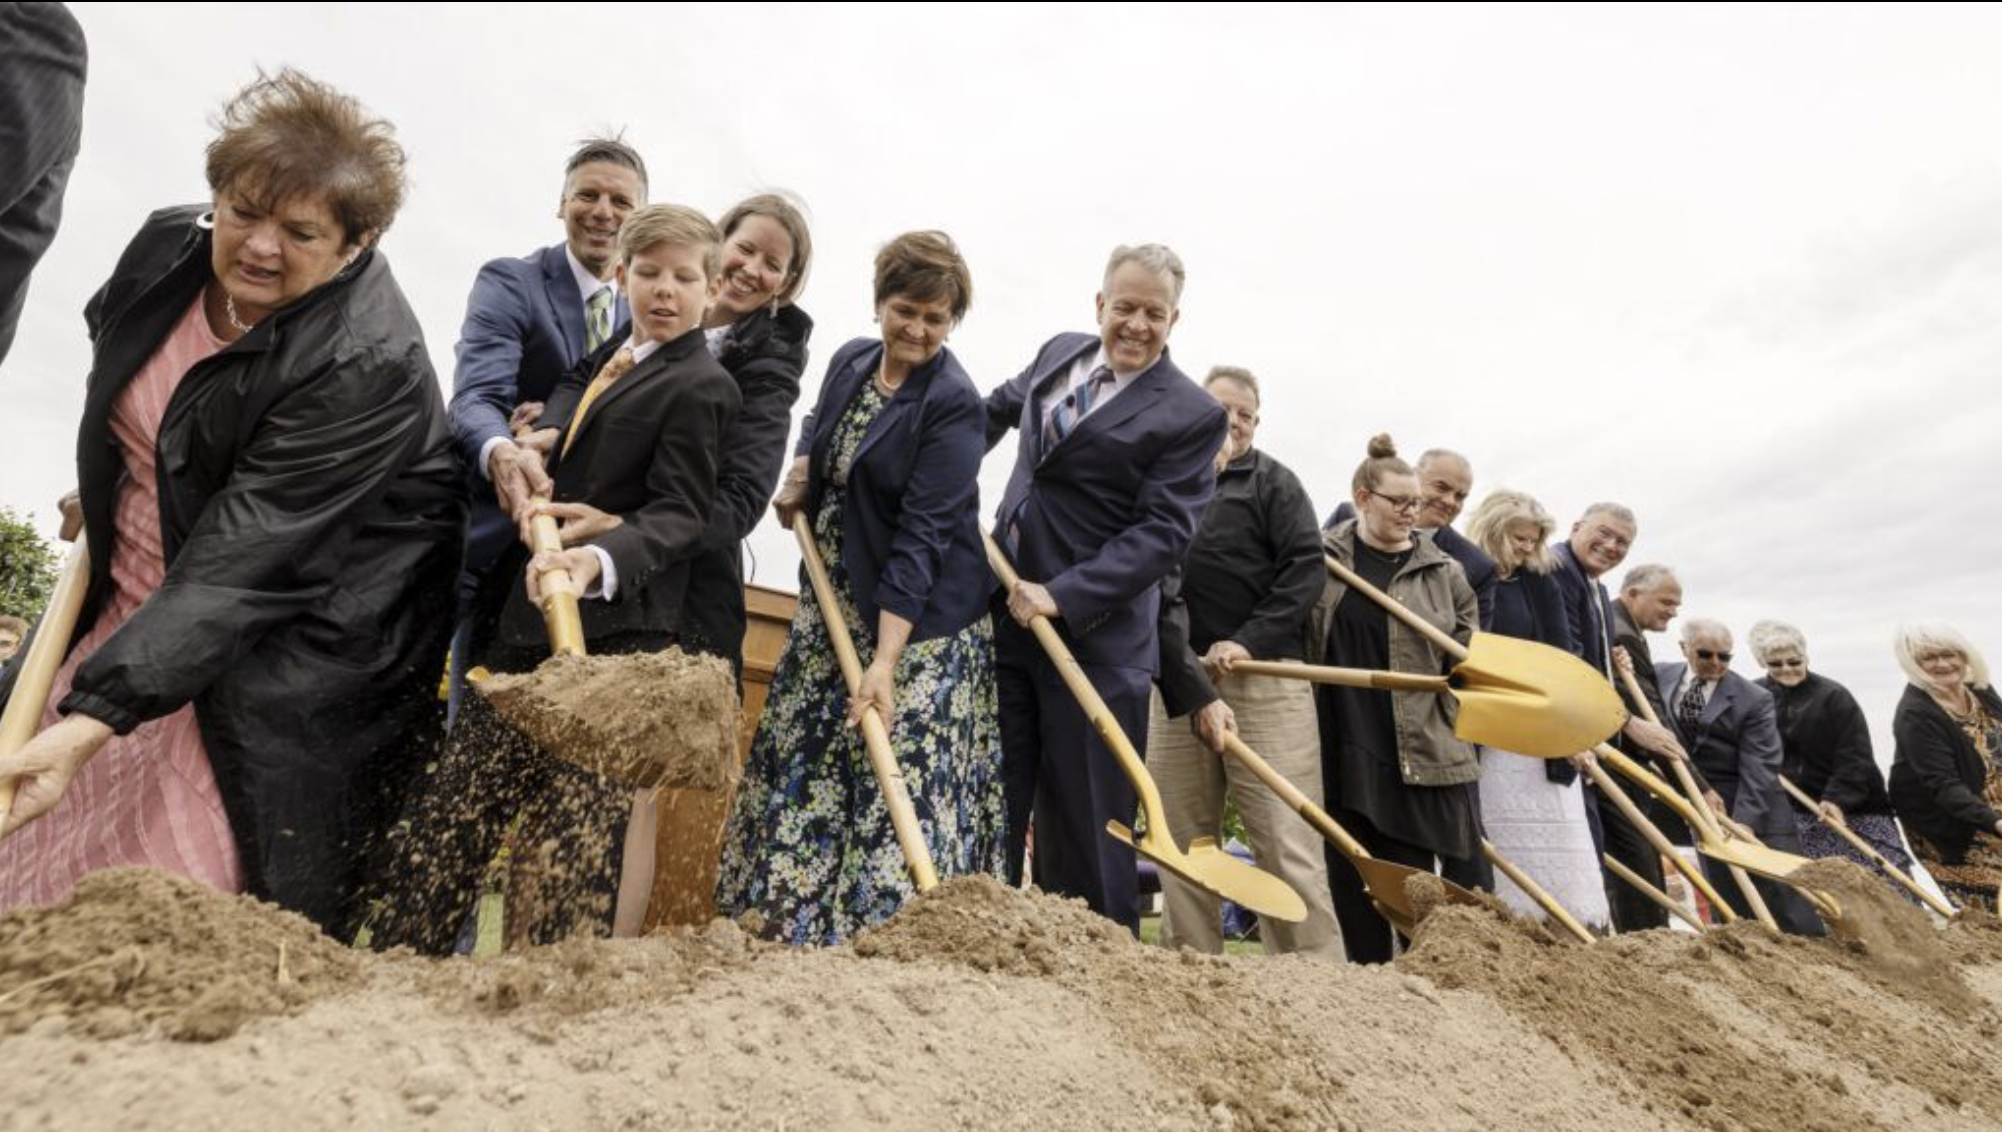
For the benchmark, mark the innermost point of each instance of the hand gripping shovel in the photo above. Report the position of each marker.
(575, 713)
(1540, 749)
(875, 734)
(38, 668)
(1205, 865)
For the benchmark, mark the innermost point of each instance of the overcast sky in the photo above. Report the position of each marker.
(1738, 267)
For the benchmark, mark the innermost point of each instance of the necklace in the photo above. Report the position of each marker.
(883, 385)
(229, 312)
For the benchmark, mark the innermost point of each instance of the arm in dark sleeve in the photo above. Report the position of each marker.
(1185, 687)
(1927, 746)
(1004, 404)
(1278, 623)
(486, 383)
(268, 546)
(1853, 777)
(943, 489)
(680, 484)
(1174, 492)
(1759, 755)
(754, 453)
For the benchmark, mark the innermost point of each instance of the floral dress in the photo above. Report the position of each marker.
(810, 852)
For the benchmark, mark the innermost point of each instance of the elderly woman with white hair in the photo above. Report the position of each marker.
(1946, 778)
(1537, 819)
(1827, 751)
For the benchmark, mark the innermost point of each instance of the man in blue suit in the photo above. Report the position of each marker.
(530, 320)
(1114, 467)
(1728, 725)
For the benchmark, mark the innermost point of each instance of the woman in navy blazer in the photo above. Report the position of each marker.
(886, 470)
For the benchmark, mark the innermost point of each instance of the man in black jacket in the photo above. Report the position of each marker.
(1243, 592)
(1649, 597)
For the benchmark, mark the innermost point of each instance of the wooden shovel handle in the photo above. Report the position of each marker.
(38, 667)
(1440, 639)
(1868, 850)
(1344, 677)
(1754, 899)
(1535, 892)
(560, 616)
(1290, 794)
(1652, 832)
(1651, 892)
(1088, 698)
(875, 735)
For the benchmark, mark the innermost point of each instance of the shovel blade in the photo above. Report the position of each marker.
(1385, 882)
(1529, 698)
(1208, 867)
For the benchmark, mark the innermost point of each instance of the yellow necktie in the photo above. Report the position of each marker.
(620, 365)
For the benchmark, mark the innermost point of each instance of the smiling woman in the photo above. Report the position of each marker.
(253, 688)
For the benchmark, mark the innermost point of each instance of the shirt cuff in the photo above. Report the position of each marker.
(486, 453)
(606, 586)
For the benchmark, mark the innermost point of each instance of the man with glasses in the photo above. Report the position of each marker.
(1728, 725)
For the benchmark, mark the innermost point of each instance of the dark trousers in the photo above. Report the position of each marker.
(1368, 937)
(1623, 841)
(1057, 771)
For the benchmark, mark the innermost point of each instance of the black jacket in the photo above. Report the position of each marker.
(1251, 576)
(648, 451)
(1937, 776)
(910, 514)
(1827, 744)
(766, 354)
(312, 516)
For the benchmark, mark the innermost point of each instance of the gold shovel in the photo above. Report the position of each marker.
(1513, 694)
(1204, 865)
(1446, 644)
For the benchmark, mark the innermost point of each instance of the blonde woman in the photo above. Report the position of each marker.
(1536, 819)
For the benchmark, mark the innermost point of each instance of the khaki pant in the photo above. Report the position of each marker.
(1275, 718)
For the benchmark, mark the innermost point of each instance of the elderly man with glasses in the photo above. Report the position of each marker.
(1729, 727)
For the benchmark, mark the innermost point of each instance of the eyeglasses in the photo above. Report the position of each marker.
(1706, 654)
(1786, 664)
(1402, 504)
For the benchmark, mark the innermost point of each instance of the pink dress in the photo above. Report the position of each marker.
(148, 798)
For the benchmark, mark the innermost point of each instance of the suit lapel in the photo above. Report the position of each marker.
(1719, 700)
(642, 374)
(1143, 391)
(560, 284)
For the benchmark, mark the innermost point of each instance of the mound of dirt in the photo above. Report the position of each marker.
(649, 719)
(981, 1006)
(134, 948)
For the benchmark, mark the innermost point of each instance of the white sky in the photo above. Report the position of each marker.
(1737, 267)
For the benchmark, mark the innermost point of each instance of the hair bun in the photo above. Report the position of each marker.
(1381, 446)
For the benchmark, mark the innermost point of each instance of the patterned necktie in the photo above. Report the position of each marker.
(1691, 707)
(620, 364)
(1065, 414)
(597, 318)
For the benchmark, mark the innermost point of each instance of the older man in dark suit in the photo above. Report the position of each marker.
(1729, 727)
(1113, 471)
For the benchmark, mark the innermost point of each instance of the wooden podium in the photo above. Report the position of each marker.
(691, 821)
